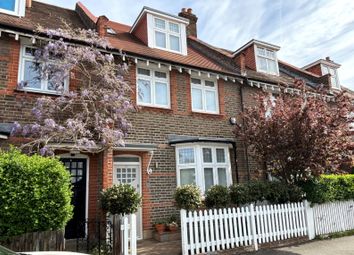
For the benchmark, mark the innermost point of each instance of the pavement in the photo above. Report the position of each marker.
(336, 246)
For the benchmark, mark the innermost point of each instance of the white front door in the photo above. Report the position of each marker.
(127, 169)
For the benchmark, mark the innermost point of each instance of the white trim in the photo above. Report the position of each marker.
(199, 165)
(19, 9)
(328, 71)
(256, 47)
(158, 13)
(322, 61)
(21, 72)
(3, 137)
(139, 164)
(81, 156)
(152, 79)
(260, 43)
(205, 88)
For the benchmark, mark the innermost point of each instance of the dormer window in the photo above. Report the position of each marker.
(266, 60)
(334, 76)
(167, 35)
(13, 7)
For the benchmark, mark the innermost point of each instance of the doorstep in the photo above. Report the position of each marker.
(153, 247)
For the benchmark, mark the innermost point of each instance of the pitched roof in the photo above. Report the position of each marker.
(46, 15)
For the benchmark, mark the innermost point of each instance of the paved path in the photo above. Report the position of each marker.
(337, 246)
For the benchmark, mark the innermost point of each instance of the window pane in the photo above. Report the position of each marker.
(207, 157)
(187, 176)
(174, 43)
(272, 66)
(186, 155)
(222, 176)
(31, 75)
(325, 70)
(144, 71)
(196, 81)
(270, 54)
(144, 90)
(174, 27)
(8, 5)
(29, 51)
(162, 75)
(160, 23)
(160, 39)
(208, 178)
(210, 101)
(197, 103)
(262, 64)
(209, 83)
(220, 155)
(161, 96)
(334, 81)
(261, 51)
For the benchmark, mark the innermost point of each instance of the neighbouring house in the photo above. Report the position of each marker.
(191, 94)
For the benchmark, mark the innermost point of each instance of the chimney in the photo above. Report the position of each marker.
(28, 3)
(192, 27)
(101, 25)
(243, 64)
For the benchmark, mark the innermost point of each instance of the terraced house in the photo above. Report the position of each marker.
(189, 94)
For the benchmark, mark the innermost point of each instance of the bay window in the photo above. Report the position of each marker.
(204, 165)
(30, 74)
(153, 87)
(266, 60)
(204, 96)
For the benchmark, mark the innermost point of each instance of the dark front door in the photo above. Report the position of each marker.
(77, 168)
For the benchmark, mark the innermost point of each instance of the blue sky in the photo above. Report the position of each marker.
(305, 30)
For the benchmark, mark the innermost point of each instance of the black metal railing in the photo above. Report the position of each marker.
(91, 236)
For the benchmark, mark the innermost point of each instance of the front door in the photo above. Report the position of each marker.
(127, 170)
(77, 168)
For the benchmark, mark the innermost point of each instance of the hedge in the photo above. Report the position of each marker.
(188, 197)
(329, 188)
(217, 196)
(35, 194)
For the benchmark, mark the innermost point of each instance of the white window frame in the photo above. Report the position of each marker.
(256, 47)
(205, 88)
(199, 165)
(167, 33)
(19, 9)
(327, 70)
(44, 82)
(152, 80)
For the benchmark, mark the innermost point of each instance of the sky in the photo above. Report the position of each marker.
(305, 30)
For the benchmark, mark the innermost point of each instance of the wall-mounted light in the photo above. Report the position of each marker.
(232, 120)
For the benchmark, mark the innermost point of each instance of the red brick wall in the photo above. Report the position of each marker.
(315, 69)
(250, 58)
(140, 30)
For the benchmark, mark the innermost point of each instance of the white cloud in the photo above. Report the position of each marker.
(305, 30)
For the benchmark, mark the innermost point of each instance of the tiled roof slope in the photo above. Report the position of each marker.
(48, 16)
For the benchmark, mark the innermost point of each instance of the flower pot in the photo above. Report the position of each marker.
(160, 228)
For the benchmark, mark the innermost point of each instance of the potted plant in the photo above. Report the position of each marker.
(172, 224)
(160, 226)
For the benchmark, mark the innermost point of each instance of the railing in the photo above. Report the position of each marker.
(220, 229)
(333, 217)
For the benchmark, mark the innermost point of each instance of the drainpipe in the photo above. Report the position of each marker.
(245, 81)
(234, 147)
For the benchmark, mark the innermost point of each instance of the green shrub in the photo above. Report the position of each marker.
(217, 197)
(329, 188)
(257, 191)
(188, 197)
(35, 194)
(120, 199)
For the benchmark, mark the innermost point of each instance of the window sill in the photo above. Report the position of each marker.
(154, 108)
(49, 93)
(208, 115)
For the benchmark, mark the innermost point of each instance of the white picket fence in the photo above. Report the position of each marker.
(333, 217)
(128, 234)
(220, 229)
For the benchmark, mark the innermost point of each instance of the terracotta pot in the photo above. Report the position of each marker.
(160, 228)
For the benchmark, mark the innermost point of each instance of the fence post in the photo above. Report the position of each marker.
(253, 227)
(184, 231)
(133, 234)
(309, 220)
